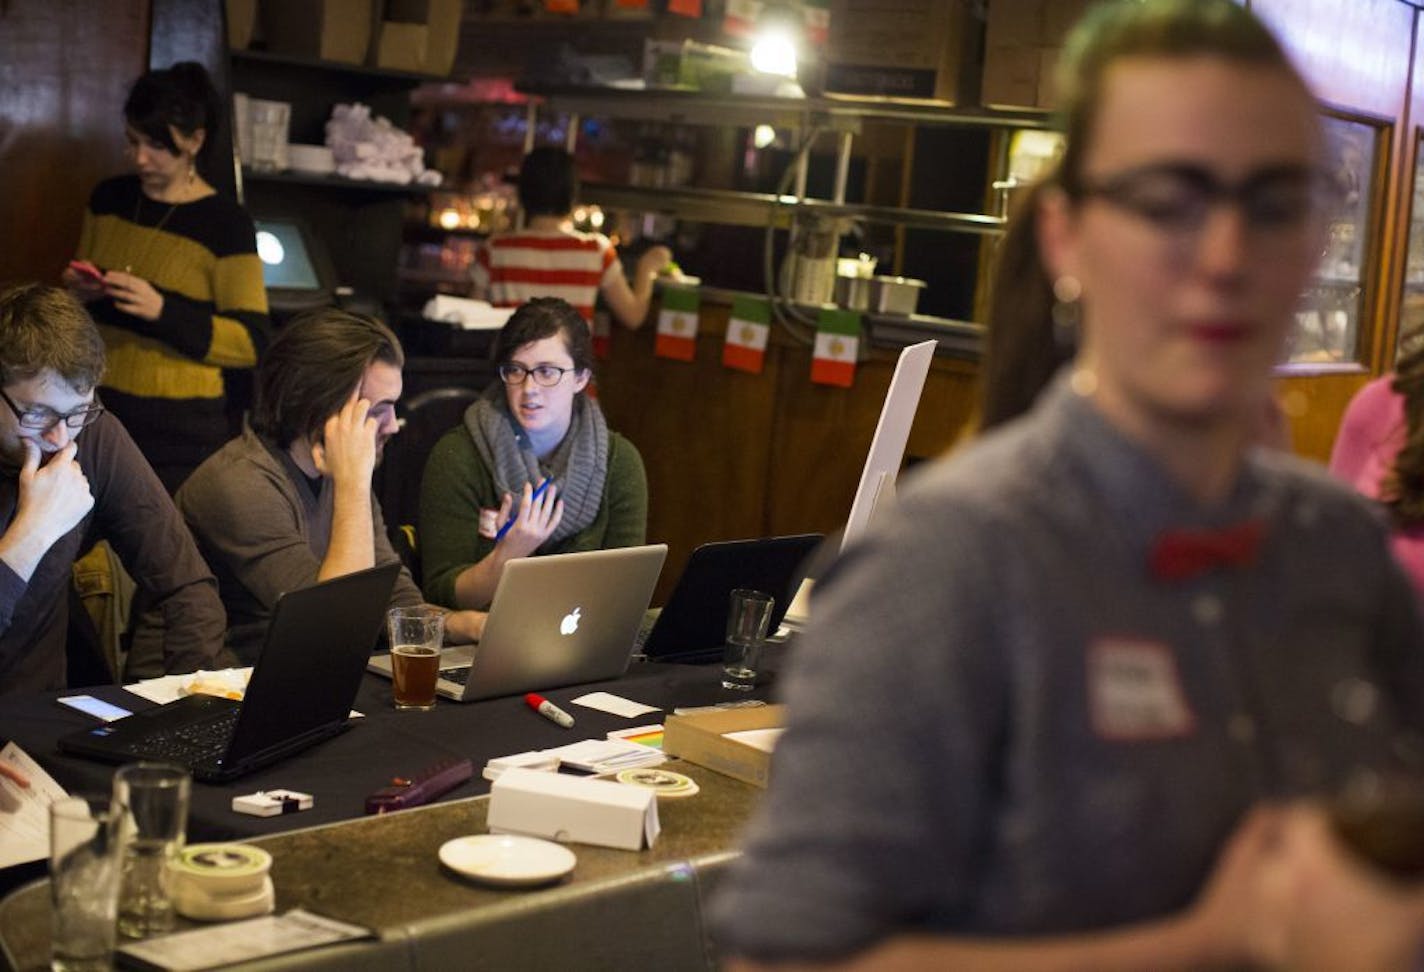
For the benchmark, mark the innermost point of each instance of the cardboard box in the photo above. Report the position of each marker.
(441, 19)
(701, 738)
(557, 806)
(400, 47)
(241, 20)
(911, 49)
(1023, 40)
(333, 30)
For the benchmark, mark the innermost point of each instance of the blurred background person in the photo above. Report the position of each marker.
(179, 294)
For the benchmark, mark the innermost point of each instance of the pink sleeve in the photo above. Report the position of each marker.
(1371, 434)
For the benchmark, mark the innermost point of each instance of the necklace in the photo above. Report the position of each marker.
(157, 228)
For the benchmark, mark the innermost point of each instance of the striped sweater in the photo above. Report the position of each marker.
(516, 267)
(164, 378)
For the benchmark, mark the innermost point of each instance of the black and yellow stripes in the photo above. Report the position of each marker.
(202, 257)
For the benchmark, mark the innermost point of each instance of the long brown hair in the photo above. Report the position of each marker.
(1403, 488)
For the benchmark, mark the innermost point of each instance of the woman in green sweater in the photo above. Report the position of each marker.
(481, 504)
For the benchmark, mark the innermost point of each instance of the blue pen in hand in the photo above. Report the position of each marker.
(538, 492)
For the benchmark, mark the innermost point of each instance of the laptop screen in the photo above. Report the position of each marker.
(286, 257)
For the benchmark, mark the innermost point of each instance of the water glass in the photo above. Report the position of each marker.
(85, 861)
(155, 796)
(748, 617)
(270, 122)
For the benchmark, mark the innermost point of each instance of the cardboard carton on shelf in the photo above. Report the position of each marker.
(417, 35)
(1022, 42)
(332, 30)
(241, 21)
(911, 49)
(702, 738)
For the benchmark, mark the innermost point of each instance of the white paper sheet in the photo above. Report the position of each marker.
(227, 683)
(763, 739)
(237, 941)
(614, 704)
(24, 812)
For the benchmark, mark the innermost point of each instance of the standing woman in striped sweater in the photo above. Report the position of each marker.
(180, 296)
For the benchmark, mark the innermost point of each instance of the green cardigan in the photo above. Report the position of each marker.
(456, 486)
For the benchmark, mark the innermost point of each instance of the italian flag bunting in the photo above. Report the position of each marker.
(837, 344)
(747, 331)
(677, 324)
(741, 17)
(816, 15)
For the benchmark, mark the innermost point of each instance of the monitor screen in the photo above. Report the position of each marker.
(887, 449)
(287, 262)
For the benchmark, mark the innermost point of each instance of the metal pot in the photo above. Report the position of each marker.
(895, 295)
(853, 292)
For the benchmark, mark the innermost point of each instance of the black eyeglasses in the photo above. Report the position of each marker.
(40, 419)
(1177, 198)
(545, 374)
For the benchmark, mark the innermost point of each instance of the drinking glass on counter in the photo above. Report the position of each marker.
(85, 861)
(155, 797)
(747, 620)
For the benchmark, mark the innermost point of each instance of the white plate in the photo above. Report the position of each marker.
(507, 859)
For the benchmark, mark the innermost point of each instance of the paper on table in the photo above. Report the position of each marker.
(24, 812)
(763, 739)
(236, 941)
(615, 704)
(226, 683)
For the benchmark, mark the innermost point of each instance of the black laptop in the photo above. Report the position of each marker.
(692, 626)
(300, 692)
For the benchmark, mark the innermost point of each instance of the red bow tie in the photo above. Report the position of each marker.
(1183, 554)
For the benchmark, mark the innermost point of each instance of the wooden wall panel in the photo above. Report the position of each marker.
(731, 455)
(65, 66)
(1358, 55)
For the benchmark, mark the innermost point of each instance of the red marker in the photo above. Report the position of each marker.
(548, 710)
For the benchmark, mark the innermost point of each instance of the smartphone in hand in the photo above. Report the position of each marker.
(86, 269)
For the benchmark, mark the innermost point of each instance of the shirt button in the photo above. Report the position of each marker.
(1206, 608)
(1241, 728)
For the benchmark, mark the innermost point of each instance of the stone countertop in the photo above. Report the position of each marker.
(384, 872)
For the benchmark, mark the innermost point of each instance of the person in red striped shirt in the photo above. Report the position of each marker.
(549, 258)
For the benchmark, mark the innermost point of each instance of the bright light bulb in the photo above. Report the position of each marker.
(269, 248)
(775, 53)
(449, 219)
(763, 136)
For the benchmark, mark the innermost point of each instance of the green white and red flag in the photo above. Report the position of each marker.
(837, 346)
(677, 324)
(747, 333)
(741, 17)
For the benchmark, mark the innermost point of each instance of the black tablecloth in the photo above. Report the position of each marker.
(340, 772)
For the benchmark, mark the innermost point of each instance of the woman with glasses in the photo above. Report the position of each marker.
(168, 268)
(1049, 713)
(534, 468)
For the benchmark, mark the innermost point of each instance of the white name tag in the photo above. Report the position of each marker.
(1135, 692)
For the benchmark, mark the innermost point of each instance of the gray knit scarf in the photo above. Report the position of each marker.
(578, 466)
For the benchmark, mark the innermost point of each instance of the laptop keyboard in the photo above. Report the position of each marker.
(459, 675)
(190, 745)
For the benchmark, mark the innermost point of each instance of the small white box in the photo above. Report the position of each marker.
(570, 808)
(272, 803)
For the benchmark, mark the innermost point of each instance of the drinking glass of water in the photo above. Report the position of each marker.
(748, 616)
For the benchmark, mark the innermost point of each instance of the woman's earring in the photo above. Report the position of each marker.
(1067, 311)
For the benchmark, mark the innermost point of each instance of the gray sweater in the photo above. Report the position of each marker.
(264, 530)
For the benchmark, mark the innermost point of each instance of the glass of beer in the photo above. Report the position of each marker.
(416, 634)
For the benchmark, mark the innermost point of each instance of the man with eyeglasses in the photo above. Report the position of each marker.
(288, 503)
(70, 476)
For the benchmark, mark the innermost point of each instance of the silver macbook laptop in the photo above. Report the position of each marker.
(556, 620)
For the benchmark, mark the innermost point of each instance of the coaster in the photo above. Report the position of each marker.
(667, 784)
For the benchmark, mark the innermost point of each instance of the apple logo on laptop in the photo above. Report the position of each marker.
(570, 623)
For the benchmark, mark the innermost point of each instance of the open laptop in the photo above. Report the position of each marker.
(555, 620)
(693, 624)
(300, 692)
